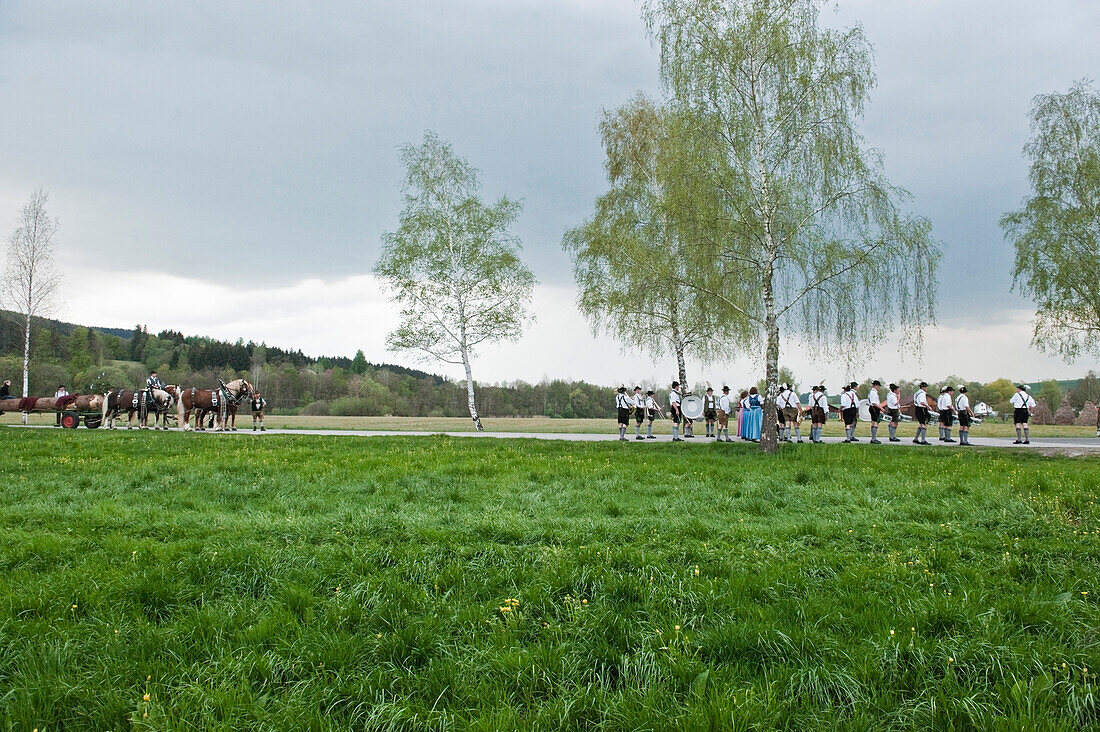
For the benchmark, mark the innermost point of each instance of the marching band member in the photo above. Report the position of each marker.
(792, 409)
(875, 407)
(674, 411)
(623, 406)
(849, 409)
(946, 407)
(962, 407)
(710, 411)
(893, 408)
(920, 411)
(653, 409)
(1022, 404)
(819, 412)
(638, 403)
(724, 410)
(258, 405)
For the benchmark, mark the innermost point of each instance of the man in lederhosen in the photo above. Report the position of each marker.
(258, 404)
(893, 410)
(674, 411)
(875, 407)
(946, 407)
(791, 409)
(623, 407)
(639, 412)
(710, 411)
(920, 413)
(652, 409)
(962, 408)
(819, 412)
(1022, 404)
(849, 409)
(724, 411)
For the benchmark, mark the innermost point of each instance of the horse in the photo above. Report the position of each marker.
(219, 401)
(140, 403)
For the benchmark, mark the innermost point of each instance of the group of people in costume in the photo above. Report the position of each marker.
(747, 413)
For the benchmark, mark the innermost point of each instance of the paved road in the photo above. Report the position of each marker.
(1076, 444)
(1073, 445)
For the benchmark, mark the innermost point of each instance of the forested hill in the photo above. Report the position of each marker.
(93, 359)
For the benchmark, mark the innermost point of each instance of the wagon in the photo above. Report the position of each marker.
(74, 409)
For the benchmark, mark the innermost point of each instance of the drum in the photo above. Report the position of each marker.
(864, 410)
(692, 407)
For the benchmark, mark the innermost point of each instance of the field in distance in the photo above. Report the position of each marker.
(565, 426)
(306, 582)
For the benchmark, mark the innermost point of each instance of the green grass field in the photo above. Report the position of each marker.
(171, 582)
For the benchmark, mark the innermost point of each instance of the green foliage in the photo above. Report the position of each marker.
(412, 583)
(1057, 232)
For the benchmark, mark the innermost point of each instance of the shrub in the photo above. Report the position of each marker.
(316, 409)
(350, 407)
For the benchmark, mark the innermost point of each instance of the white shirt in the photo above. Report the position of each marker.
(849, 399)
(724, 403)
(892, 401)
(962, 403)
(788, 399)
(651, 405)
(1022, 400)
(638, 401)
(61, 393)
(622, 401)
(872, 396)
(821, 399)
(944, 402)
(920, 399)
(673, 398)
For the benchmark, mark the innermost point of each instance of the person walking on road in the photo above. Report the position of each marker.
(921, 409)
(966, 414)
(1022, 406)
(674, 411)
(946, 407)
(849, 408)
(623, 406)
(893, 409)
(874, 406)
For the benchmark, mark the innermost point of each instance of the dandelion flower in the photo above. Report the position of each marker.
(891, 633)
(145, 698)
(677, 627)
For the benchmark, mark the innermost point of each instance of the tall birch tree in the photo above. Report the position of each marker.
(629, 259)
(453, 264)
(1057, 232)
(811, 236)
(30, 280)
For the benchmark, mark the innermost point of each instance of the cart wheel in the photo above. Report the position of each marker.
(70, 420)
(93, 421)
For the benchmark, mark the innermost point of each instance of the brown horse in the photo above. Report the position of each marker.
(141, 403)
(219, 401)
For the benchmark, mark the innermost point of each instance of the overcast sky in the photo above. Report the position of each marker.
(249, 151)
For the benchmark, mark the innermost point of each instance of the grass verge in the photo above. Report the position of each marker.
(163, 582)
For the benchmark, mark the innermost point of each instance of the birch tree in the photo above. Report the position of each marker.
(811, 235)
(453, 264)
(30, 280)
(1057, 232)
(629, 258)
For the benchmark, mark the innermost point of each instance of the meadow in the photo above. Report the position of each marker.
(164, 581)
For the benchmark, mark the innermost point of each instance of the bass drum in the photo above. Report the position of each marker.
(692, 407)
(864, 411)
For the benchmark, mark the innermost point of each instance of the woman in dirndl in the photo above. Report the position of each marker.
(754, 420)
(742, 410)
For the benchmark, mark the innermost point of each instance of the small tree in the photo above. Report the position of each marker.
(453, 265)
(30, 281)
(1057, 232)
(809, 236)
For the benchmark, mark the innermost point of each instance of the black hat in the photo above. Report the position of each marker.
(675, 384)
(893, 387)
(853, 385)
(876, 382)
(725, 388)
(962, 389)
(949, 388)
(649, 393)
(622, 389)
(923, 385)
(637, 388)
(1022, 386)
(710, 388)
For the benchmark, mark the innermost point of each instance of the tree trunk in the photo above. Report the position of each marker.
(26, 360)
(470, 391)
(769, 441)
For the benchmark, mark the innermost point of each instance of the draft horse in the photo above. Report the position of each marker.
(221, 402)
(140, 403)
